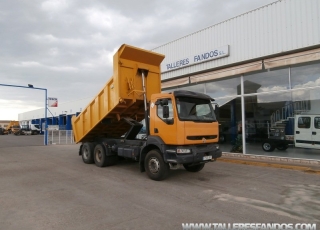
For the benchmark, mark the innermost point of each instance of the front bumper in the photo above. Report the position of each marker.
(199, 154)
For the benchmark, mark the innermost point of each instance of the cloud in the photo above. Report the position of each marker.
(105, 18)
(32, 64)
(51, 39)
(27, 64)
(271, 88)
(54, 5)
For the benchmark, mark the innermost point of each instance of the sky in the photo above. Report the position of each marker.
(66, 46)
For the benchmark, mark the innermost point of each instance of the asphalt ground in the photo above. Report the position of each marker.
(49, 187)
(12, 140)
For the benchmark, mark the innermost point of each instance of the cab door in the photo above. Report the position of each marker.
(166, 128)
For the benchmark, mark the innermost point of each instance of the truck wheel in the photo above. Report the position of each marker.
(282, 147)
(268, 146)
(99, 156)
(155, 167)
(101, 159)
(193, 168)
(87, 153)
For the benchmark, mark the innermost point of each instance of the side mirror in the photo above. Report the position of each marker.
(215, 106)
(165, 111)
(164, 102)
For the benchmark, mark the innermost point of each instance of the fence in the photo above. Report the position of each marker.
(60, 137)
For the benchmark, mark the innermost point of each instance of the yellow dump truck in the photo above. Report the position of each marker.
(13, 126)
(181, 126)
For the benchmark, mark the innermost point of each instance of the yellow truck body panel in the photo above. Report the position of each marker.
(122, 96)
(13, 126)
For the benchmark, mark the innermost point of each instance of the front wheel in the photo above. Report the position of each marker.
(155, 166)
(268, 146)
(193, 168)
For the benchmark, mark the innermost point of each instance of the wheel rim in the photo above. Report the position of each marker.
(85, 153)
(98, 155)
(154, 165)
(266, 146)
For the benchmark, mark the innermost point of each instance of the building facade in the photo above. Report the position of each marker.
(263, 70)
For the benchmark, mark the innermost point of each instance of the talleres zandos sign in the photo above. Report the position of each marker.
(197, 58)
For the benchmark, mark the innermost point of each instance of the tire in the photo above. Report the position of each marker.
(268, 146)
(282, 147)
(99, 156)
(101, 159)
(193, 168)
(87, 153)
(222, 138)
(155, 166)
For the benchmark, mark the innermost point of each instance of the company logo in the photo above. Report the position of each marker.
(204, 140)
(207, 55)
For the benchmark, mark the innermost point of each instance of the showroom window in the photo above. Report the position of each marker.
(223, 88)
(269, 80)
(305, 75)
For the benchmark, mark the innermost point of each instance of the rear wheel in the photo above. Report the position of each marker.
(193, 168)
(155, 166)
(100, 156)
(268, 146)
(87, 153)
(282, 147)
(101, 159)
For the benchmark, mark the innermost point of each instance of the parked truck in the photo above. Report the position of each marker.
(31, 129)
(301, 131)
(180, 126)
(12, 127)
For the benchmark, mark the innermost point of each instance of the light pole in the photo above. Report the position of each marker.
(30, 86)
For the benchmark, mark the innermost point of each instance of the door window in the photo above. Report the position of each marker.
(304, 122)
(160, 111)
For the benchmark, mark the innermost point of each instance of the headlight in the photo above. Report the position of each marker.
(183, 151)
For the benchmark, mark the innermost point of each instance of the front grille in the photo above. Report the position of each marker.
(194, 138)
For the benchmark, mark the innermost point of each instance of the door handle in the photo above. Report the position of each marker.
(314, 133)
(156, 130)
(297, 132)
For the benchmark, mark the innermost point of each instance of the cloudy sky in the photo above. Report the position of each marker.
(67, 46)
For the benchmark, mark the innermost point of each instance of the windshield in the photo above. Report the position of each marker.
(195, 109)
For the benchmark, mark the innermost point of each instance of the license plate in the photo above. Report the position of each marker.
(207, 158)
